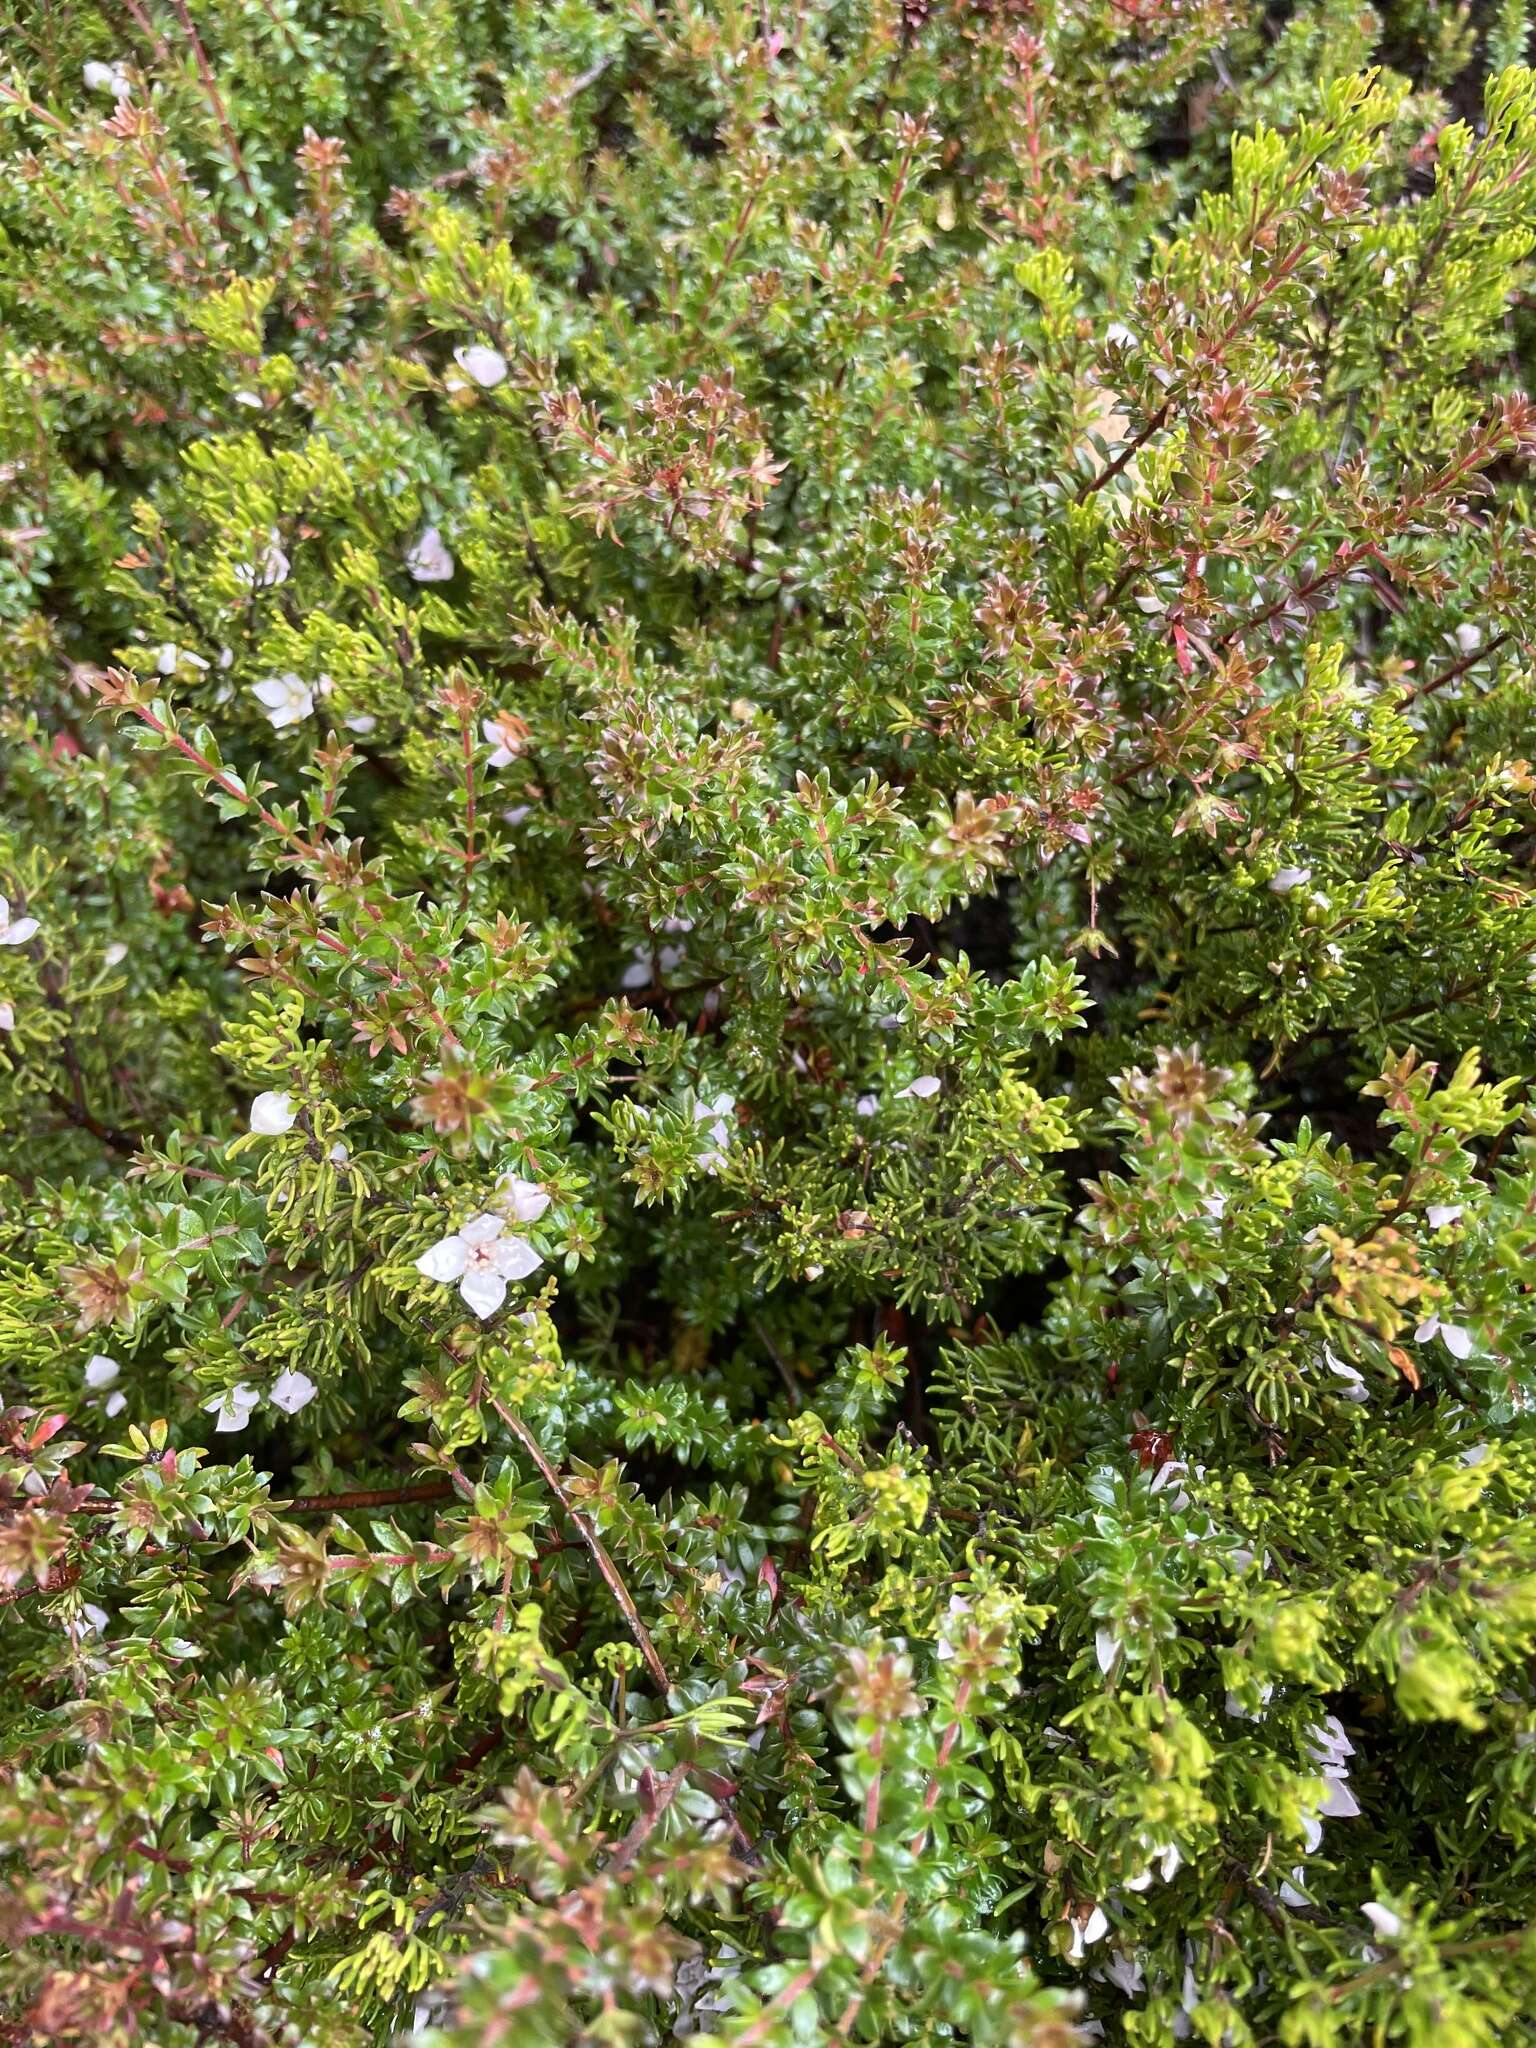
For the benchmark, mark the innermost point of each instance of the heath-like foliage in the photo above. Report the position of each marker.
(767, 988)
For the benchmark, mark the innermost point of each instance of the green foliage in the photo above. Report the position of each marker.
(766, 999)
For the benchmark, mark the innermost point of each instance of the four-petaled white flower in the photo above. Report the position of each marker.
(292, 1390)
(112, 78)
(428, 558)
(505, 736)
(287, 698)
(923, 1087)
(717, 1115)
(269, 569)
(486, 365)
(232, 1410)
(273, 1113)
(524, 1200)
(482, 1261)
(14, 931)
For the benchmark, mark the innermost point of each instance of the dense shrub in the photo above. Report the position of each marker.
(765, 1000)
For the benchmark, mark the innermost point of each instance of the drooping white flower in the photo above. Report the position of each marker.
(287, 698)
(292, 1390)
(269, 569)
(718, 1115)
(101, 1371)
(482, 1261)
(1382, 1918)
(273, 1113)
(428, 558)
(1087, 1926)
(15, 931)
(1328, 1745)
(1284, 880)
(232, 1410)
(524, 1200)
(506, 736)
(486, 365)
(112, 78)
(923, 1087)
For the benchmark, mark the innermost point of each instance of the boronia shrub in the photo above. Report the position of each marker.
(767, 989)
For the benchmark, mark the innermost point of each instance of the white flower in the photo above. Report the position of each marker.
(516, 813)
(112, 78)
(101, 1371)
(647, 966)
(1087, 1927)
(251, 400)
(1469, 638)
(7, 1017)
(1355, 1388)
(1341, 1803)
(1439, 1215)
(867, 1105)
(360, 721)
(1455, 1339)
(114, 954)
(273, 1113)
(524, 1200)
(505, 736)
(115, 1403)
(14, 931)
(486, 365)
(1125, 1973)
(269, 569)
(1214, 1205)
(291, 1391)
(1328, 1745)
(718, 1115)
(1106, 1647)
(1284, 880)
(1238, 1712)
(1382, 1918)
(288, 699)
(1291, 1893)
(339, 1155)
(171, 657)
(482, 1261)
(427, 558)
(233, 1409)
(923, 1087)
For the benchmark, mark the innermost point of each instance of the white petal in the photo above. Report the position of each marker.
(445, 1260)
(1440, 1214)
(1341, 1803)
(1171, 1860)
(339, 1155)
(1382, 1918)
(274, 690)
(1096, 1926)
(101, 1371)
(1426, 1330)
(273, 1113)
(1284, 880)
(292, 1391)
(1106, 1647)
(428, 559)
(1456, 1340)
(484, 1290)
(115, 1404)
(867, 1105)
(924, 1086)
(515, 1258)
(483, 1228)
(7, 1017)
(525, 1198)
(1140, 1882)
(487, 365)
(17, 934)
